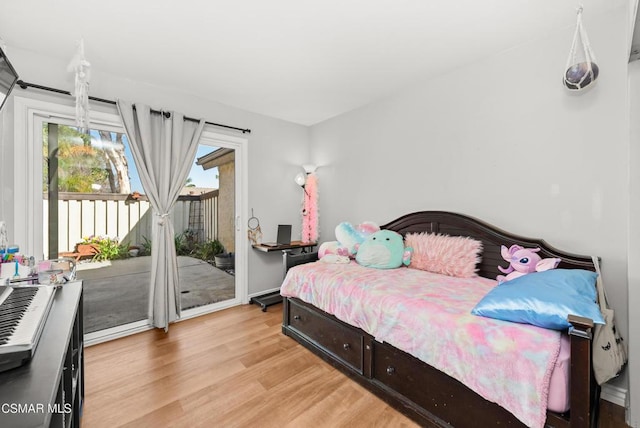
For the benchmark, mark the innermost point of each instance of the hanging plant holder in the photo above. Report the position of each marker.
(581, 70)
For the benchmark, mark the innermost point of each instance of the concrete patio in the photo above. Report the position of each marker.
(117, 292)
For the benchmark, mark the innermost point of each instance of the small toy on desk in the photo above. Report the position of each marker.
(9, 253)
(17, 266)
(523, 261)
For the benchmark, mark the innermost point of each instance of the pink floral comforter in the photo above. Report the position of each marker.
(428, 316)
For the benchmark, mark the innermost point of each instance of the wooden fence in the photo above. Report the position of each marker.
(129, 220)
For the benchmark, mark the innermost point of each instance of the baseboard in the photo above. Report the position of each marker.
(260, 293)
(614, 394)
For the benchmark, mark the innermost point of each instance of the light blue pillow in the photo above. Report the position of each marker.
(544, 299)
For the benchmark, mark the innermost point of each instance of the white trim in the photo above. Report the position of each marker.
(29, 115)
(116, 332)
(125, 330)
(207, 309)
(262, 292)
(614, 394)
(240, 145)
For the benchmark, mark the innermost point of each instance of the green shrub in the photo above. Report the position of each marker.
(146, 246)
(186, 243)
(123, 250)
(108, 248)
(207, 250)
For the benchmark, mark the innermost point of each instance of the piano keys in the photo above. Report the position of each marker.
(23, 313)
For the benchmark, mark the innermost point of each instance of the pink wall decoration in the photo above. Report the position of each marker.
(310, 209)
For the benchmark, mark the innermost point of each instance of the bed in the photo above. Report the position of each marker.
(397, 369)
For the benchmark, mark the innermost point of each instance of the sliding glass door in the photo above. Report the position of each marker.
(218, 168)
(205, 232)
(96, 214)
(86, 192)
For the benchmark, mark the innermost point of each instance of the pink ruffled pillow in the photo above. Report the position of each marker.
(444, 254)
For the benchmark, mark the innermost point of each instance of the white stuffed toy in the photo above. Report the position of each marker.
(348, 241)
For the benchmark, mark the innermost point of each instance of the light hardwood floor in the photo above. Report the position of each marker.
(233, 368)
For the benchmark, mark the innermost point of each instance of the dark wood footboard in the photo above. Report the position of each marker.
(416, 389)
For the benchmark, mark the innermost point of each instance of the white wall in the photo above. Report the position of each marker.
(500, 140)
(276, 148)
(634, 243)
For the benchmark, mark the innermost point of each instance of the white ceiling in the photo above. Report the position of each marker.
(299, 60)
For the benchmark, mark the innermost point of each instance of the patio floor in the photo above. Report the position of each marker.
(117, 292)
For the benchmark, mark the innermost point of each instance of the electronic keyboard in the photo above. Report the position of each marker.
(23, 313)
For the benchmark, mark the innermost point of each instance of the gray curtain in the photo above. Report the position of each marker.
(163, 150)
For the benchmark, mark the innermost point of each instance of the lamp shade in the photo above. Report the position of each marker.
(309, 168)
(300, 179)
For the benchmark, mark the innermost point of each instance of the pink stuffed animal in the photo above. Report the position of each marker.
(523, 261)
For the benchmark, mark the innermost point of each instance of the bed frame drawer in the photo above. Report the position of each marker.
(340, 341)
(432, 390)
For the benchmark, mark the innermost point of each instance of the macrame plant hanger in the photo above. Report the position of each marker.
(581, 70)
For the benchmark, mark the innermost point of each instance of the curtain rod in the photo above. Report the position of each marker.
(25, 85)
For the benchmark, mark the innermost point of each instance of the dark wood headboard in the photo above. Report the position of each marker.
(492, 238)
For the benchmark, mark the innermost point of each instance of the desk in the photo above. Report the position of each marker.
(274, 297)
(286, 247)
